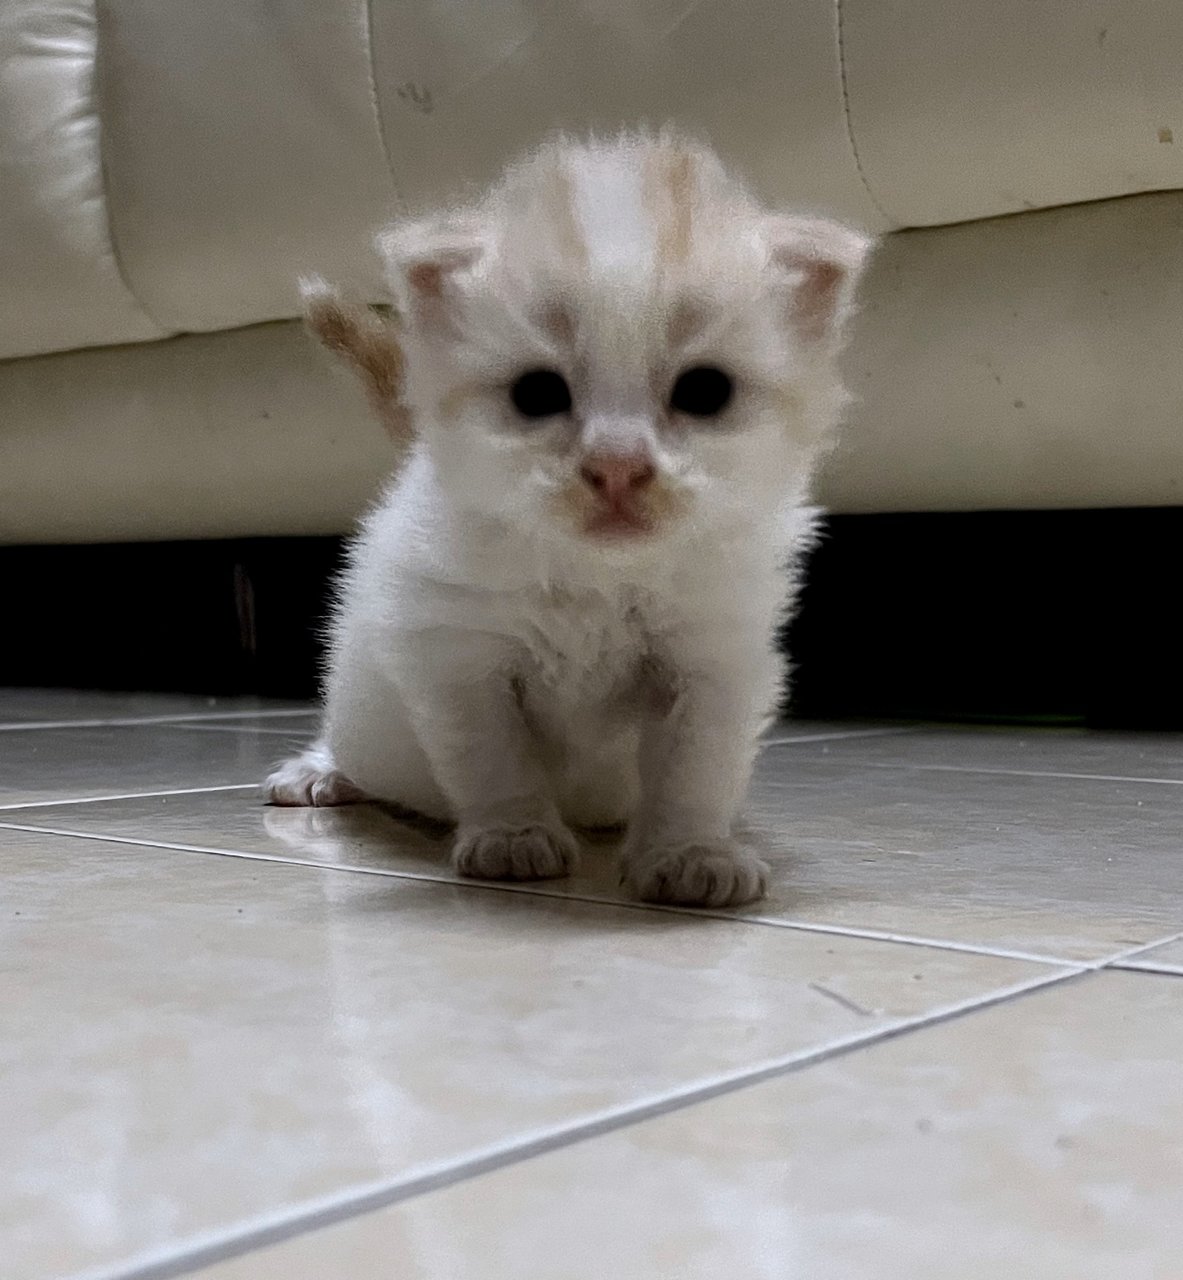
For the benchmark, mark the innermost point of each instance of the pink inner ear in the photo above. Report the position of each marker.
(420, 257)
(817, 294)
(427, 275)
(822, 260)
(816, 298)
(426, 278)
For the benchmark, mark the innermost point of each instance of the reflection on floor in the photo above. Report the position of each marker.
(254, 1043)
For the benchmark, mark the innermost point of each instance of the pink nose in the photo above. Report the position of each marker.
(615, 476)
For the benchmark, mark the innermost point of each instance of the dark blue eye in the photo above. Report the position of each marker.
(702, 391)
(541, 393)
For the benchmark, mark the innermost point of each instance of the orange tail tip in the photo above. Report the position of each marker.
(367, 342)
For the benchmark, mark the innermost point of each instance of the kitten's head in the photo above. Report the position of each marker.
(619, 343)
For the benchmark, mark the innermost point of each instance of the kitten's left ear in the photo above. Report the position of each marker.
(425, 259)
(820, 262)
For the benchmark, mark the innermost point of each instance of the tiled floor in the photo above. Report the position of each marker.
(250, 1043)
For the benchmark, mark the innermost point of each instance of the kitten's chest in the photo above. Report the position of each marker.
(582, 646)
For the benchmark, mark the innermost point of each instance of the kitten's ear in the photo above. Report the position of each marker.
(820, 262)
(424, 259)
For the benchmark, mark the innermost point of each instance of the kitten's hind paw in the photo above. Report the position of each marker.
(309, 779)
(697, 875)
(506, 852)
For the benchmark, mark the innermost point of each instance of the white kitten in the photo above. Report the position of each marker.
(621, 372)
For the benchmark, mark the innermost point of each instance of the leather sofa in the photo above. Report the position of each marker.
(167, 169)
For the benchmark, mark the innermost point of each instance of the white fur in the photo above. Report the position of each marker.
(607, 201)
(495, 666)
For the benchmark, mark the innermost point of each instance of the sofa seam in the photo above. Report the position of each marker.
(840, 33)
(375, 102)
(164, 331)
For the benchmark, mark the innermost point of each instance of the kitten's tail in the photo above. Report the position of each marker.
(368, 342)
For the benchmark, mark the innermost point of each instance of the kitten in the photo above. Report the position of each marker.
(621, 372)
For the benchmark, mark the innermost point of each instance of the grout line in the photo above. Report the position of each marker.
(18, 726)
(244, 855)
(1127, 960)
(326, 1211)
(1163, 970)
(126, 795)
(529, 890)
(1011, 773)
(1129, 953)
(907, 939)
(835, 735)
(207, 727)
(1119, 960)
(208, 720)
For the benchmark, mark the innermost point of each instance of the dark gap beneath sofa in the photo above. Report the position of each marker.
(1054, 617)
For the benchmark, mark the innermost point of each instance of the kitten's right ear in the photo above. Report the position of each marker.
(820, 261)
(425, 259)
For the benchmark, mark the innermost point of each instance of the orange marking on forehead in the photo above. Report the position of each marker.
(672, 175)
(560, 203)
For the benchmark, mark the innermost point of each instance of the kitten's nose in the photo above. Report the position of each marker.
(617, 475)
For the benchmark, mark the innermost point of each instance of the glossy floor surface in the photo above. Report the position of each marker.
(263, 1044)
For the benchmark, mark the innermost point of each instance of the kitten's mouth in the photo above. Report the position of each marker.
(619, 522)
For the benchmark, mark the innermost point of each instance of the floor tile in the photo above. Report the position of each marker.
(295, 729)
(1165, 959)
(810, 731)
(787, 731)
(1154, 756)
(45, 765)
(196, 1045)
(1041, 1138)
(24, 706)
(1061, 868)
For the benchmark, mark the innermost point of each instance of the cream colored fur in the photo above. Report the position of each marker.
(513, 650)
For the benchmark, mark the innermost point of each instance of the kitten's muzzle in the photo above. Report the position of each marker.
(617, 478)
(620, 483)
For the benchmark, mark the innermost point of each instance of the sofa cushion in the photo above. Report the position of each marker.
(972, 110)
(61, 283)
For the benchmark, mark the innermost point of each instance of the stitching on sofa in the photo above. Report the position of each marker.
(858, 162)
(368, 10)
(166, 331)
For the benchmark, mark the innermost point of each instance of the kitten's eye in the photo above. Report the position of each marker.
(541, 393)
(702, 391)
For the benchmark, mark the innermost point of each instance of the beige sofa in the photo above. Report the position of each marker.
(166, 170)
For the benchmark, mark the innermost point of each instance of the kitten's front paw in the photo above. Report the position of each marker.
(514, 853)
(697, 875)
(309, 779)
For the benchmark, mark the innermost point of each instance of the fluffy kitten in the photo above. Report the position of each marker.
(621, 372)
